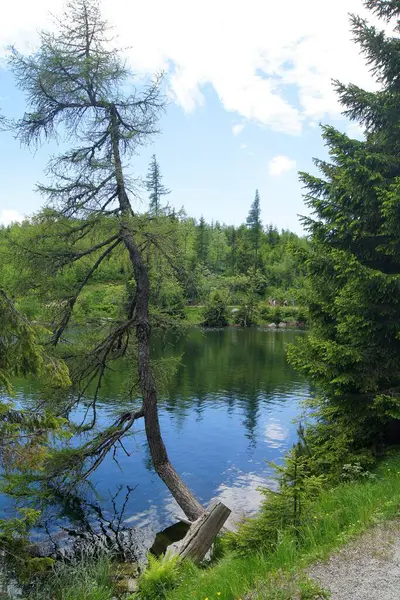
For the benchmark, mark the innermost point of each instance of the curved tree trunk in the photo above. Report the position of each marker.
(184, 497)
(162, 464)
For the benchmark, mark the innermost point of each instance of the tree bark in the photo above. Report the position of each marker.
(184, 497)
(190, 506)
(201, 534)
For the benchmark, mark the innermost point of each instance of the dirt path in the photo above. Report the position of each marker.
(366, 569)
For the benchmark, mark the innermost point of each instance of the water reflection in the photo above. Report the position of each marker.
(275, 434)
(243, 492)
(226, 411)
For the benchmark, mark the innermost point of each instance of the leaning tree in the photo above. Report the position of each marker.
(77, 89)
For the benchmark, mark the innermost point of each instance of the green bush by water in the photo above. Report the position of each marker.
(216, 311)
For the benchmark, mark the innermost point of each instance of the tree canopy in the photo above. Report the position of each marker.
(353, 351)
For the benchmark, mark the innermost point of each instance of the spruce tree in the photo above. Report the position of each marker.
(202, 242)
(155, 187)
(254, 225)
(353, 351)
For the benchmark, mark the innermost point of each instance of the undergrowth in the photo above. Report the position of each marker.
(336, 516)
(275, 571)
(86, 579)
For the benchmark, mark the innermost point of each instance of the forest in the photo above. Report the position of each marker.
(187, 317)
(250, 265)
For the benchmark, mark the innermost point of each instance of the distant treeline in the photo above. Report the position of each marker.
(251, 259)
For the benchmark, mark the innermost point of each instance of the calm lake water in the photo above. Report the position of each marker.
(227, 410)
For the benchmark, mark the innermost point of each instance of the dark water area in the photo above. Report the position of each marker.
(227, 410)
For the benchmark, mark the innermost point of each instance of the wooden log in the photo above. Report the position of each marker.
(201, 534)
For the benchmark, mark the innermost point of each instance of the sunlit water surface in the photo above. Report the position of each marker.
(228, 409)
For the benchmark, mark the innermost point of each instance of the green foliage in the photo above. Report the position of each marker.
(15, 546)
(85, 578)
(335, 516)
(247, 315)
(254, 225)
(285, 314)
(171, 299)
(206, 258)
(352, 355)
(100, 302)
(155, 187)
(160, 577)
(285, 509)
(19, 353)
(215, 312)
(25, 435)
(202, 242)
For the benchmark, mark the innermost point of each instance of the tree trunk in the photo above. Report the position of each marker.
(184, 497)
(162, 464)
(201, 534)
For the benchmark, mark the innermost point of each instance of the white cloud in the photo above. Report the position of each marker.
(237, 129)
(355, 130)
(9, 215)
(270, 62)
(280, 164)
(243, 146)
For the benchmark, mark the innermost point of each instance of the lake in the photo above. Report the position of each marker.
(227, 410)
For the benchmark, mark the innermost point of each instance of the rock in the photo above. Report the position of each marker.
(272, 325)
(282, 325)
(234, 311)
(125, 576)
(127, 585)
(132, 585)
(131, 545)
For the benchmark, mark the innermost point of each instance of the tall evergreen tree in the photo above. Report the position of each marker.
(155, 187)
(254, 225)
(202, 242)
(353, 352)
(232, 236)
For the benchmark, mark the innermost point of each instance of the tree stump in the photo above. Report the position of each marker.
(201, 534)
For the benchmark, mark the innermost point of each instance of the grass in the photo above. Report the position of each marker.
(337, 516)
(88, 579)
(340, 514)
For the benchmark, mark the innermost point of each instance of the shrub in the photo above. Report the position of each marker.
(167, 295)
(215, 313)
(283, 509)
(247, 315)
(160, 577)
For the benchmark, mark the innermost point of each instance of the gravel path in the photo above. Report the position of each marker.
(366, 569)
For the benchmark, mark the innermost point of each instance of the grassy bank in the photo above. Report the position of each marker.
(87, 580)
(339, 514)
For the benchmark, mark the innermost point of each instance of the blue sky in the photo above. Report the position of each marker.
(247, 88)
